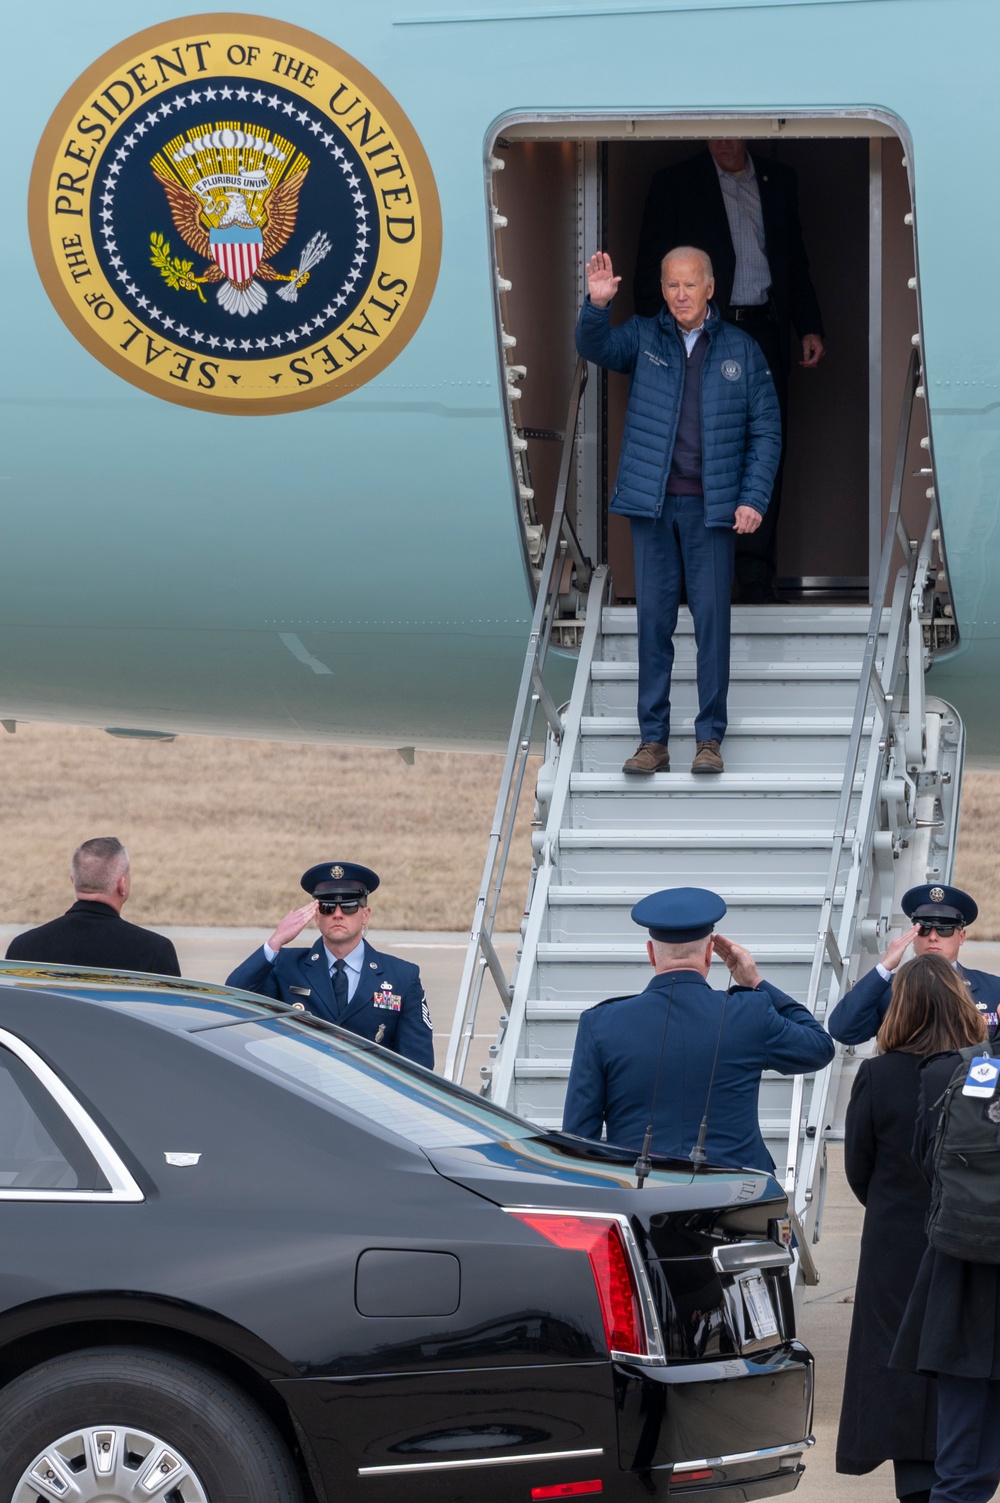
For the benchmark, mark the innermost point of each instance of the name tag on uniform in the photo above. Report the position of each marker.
(386, 997)
(982, 1077)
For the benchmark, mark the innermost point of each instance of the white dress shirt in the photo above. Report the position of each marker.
(690, 335)
(741, 196)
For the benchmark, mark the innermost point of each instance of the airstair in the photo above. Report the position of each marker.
(840, 792)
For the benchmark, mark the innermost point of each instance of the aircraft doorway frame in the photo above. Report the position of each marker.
(591, 135)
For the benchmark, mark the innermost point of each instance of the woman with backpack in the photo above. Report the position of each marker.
(887, 1414)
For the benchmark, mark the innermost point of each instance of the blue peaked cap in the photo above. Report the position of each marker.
(678, 914)
(339, 878)
(935, 900)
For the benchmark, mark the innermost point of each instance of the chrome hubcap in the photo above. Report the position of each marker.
(109, 1464)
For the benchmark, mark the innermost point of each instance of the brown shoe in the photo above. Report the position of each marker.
(651, 757)
(708, 758)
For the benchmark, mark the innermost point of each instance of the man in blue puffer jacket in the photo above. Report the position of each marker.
(699, 455)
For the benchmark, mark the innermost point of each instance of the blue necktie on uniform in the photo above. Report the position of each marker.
(340, 986)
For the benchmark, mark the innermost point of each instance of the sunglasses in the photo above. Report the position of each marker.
(945, 931)
(347, 906)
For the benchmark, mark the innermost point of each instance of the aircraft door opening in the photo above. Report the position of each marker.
(566, 188)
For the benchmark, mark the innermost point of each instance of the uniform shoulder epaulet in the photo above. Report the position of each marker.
(625, 997)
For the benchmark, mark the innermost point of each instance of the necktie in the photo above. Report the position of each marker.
(340, 987)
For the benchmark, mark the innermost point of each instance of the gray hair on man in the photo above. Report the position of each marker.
(688, 253)
(685, 950)
(98, 865)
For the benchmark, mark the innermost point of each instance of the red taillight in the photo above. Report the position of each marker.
(601, 1240)
(568, 1489)
(699, 1476)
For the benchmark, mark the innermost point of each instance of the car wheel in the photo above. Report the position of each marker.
(118, 1425)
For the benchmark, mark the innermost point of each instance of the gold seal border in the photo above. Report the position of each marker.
(74, 99)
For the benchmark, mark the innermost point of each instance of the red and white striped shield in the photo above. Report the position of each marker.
(238, 250)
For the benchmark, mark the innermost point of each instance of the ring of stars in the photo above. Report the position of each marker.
(318, 128)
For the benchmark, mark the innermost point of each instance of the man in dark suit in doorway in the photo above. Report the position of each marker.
(743, 210)
(93, 931)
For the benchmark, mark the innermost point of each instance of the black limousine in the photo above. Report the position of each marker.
(248, 1256)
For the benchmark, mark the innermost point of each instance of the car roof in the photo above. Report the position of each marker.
(173, 1002)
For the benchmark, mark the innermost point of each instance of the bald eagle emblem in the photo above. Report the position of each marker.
(233, 196)
(937, 894)
(336, 872)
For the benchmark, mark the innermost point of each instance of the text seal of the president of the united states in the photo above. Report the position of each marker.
(233, 214)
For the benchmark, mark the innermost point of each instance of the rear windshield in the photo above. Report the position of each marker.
(378, 1086)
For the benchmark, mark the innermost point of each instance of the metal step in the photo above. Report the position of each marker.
(671, 858)
(759, 620)
(777, 743)
(601, 912)
(813, 687)
(686, 800)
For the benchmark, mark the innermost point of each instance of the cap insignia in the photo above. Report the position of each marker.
(336, 872)
(937, 894)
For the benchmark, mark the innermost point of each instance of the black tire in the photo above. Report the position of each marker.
(227, 1441)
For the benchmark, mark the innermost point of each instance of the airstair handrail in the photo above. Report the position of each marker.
(874, 706)
(562, 545)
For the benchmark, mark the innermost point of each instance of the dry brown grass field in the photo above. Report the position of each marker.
(219, 830)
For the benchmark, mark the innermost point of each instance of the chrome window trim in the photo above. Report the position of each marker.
(123, 1186)
(655, 1355)
(767, 1454)
(741, 1257)
(441, 1466)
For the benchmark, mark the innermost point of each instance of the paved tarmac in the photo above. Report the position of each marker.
(825, 1323)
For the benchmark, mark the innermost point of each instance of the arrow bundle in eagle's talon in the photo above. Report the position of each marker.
(315, 249)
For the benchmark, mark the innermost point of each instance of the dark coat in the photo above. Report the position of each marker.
(952, 1321)
(858, 1015)
(685, 206)
(885, 1415)
(92, 933)
(740, 420)
(388, 1006)
(617, 1051)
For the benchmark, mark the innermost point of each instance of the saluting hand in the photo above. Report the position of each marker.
(292, 925)
(740, 963)
(602, 284)
(898, 948)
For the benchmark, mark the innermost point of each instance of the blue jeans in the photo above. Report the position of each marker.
(669, 550)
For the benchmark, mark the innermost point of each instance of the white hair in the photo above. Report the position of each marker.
(688, 253)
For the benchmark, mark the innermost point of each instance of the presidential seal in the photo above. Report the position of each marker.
(732, 370)
(233, 214)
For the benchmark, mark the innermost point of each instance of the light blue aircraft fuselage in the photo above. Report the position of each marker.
(356, 570)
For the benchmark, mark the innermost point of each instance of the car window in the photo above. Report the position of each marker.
(404, 1099)
(39, 1148)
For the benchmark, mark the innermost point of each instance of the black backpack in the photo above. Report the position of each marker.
(964, 1218)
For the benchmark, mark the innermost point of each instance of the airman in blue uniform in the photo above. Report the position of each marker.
(940, 916)
(342, 977)
(681, 1050)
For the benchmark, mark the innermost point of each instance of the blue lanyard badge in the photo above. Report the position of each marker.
(982, 1077)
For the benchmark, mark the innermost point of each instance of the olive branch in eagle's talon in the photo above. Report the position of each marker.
(175, 272)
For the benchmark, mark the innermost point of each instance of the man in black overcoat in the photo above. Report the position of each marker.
(93, 931)
(743, 209)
